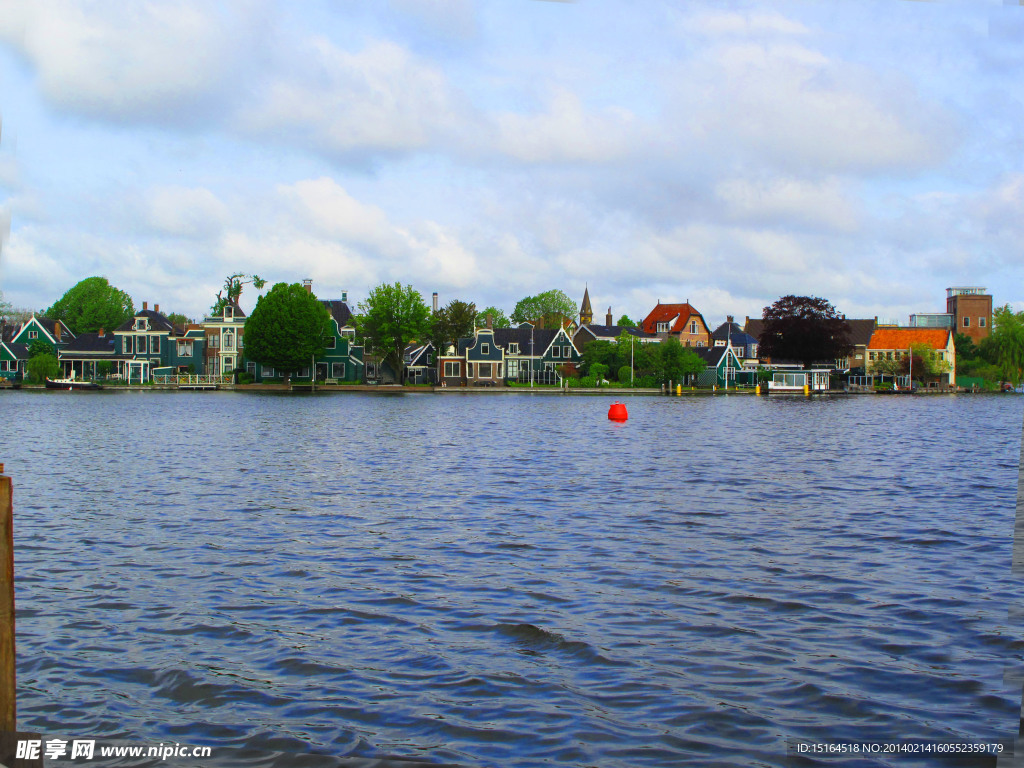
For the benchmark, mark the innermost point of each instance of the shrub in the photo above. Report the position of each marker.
(588, 381)
(625, 375)
(42, 367)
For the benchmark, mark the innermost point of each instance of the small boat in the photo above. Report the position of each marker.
(71, 383)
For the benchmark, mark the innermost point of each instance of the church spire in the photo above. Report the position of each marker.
(586, 313)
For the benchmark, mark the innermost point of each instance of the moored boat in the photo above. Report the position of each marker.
(71, 384)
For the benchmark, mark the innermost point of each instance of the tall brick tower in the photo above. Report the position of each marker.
(972, 311)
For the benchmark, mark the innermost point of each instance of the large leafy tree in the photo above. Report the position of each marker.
(804, 328)
(41, 367)
(287, 329)
(545, 309)
(678, 362)
(498, 318)
(393, 316)
(1004, 347)
(626, 322)
(92, 304)
(450, 323)
(233, 289)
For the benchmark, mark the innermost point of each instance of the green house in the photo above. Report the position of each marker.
(723, 366)
(53, 333)
(12, 361)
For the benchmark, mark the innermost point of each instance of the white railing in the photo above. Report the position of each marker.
(192, 379)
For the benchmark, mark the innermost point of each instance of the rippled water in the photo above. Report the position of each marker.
(513, 580)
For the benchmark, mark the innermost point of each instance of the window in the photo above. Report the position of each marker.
(33, 334)
(981, 322)
(348, 332)
(485, 370)
(513, 348)
(967, 322)
(229, 312)
(141, 324)
(303, 373)
(229, 340)
(229, 364)
(485, 349)
(184, 349)
(556, 351)
(566, 353)
(337, 370)
(700, 343)
(451, 369)
(662, 327)
(240, 339)
(127, 344)
(3, 365)
(513, 369)
(154, 345)
(332, 342)
(888, 355)
(250, 368)
(693, 326)
(215, 341)
(470, 370)
(267, 371)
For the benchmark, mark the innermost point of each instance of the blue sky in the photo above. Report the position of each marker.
(723, 153)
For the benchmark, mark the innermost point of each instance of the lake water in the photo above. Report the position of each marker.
(512, 579)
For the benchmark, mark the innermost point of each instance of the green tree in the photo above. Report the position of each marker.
(625, 322)
(179, 319)
(287, 328)
(542, 309)
(393, 316)
(233, 289)
(804, 328)
(1004, 347)
(92, 304)
(966, 349)
(678, 362)
(451, 323)
(41, 367)
(924, 364)
(39, 347)
(498, 318)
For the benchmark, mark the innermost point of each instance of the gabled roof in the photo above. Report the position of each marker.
(735, 335)
(711, 355)
(49, 327)
(902, 338)
(339, 311)
(17, 351)
(157, 321)
(609, 332)
(542, 338)
(90, 343)
(677, 314)
(418, 354)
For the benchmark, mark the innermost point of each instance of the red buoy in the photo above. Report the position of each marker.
(617, 412)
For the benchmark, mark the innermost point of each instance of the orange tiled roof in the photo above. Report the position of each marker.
(665, 312)
(902, 338)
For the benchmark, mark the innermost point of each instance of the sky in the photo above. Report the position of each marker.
(723, 153)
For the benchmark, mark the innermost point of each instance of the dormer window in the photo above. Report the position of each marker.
(485, 348)
(141, 324)
(662, 327)
(229, 312)
(513, 348)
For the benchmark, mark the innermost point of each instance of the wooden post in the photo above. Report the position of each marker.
(8, 718)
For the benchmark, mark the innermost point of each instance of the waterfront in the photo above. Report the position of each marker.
(514, 580)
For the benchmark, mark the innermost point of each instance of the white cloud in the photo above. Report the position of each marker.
(185, 212)
(566, 132)
(329, 210)
(787, 200)
(167, 62)
(716, 23)
(380, 99)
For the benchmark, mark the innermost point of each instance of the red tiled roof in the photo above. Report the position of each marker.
(902, 338)
(665, 312)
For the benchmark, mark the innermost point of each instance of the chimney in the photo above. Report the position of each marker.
(608, 317)
(490, 320)
(56, 330)
(308, 285)
(101, 333)
(145, 306)
(435, 301)
(728, 319)
(156, 307)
